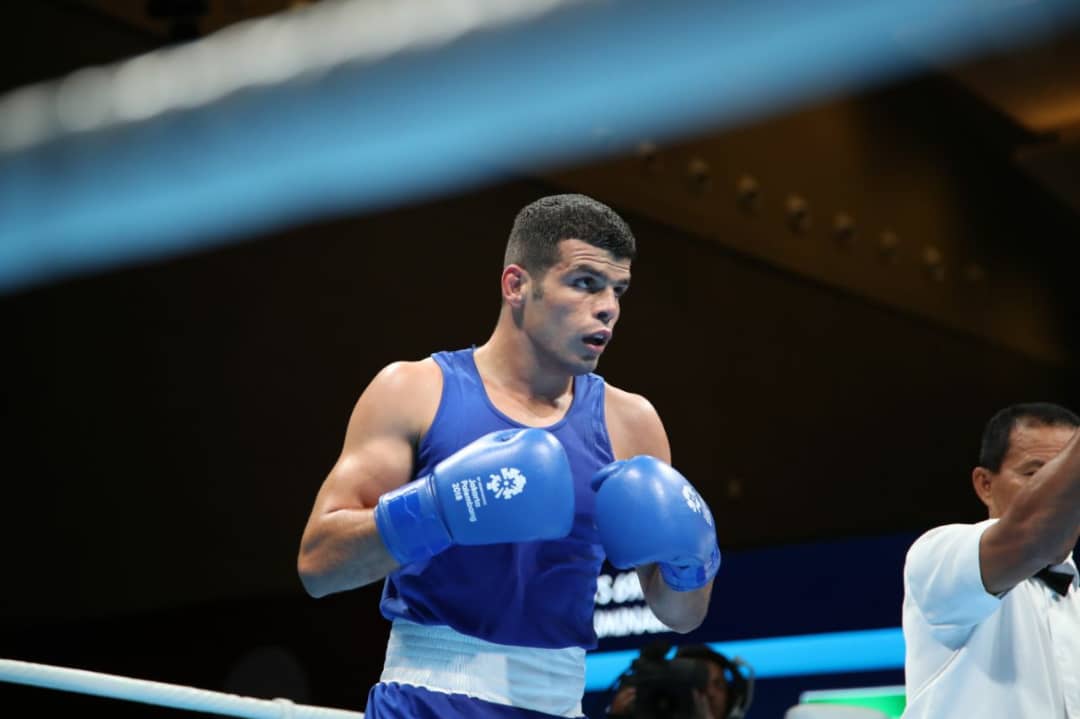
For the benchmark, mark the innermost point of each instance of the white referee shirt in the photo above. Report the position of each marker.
(972, 654)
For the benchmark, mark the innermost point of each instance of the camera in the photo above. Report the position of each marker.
(664, 687)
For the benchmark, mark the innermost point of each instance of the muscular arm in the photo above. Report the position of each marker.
(340, 548)
(1040, 526)
(635, 428)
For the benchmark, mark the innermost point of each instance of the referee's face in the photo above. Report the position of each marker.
(1031, 446)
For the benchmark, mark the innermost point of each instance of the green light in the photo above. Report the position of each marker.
(889, 700)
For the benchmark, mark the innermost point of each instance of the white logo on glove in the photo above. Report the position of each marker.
(508, 483)
(696, 503)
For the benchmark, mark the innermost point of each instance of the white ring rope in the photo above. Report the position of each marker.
(261, 52)
(175, 696)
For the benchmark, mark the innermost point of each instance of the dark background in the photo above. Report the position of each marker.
(166, 426)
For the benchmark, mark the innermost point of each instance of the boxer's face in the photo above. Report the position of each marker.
(1030, 447)
(572, 310)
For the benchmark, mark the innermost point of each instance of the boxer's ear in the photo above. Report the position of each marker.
(515, 284)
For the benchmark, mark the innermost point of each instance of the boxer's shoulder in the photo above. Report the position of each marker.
(633, 424)
(406, 395)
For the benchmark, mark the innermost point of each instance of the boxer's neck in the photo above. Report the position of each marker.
(512, 370)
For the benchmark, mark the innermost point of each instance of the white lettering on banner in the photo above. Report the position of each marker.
(603, 590)
(625, 621)
(624, 587)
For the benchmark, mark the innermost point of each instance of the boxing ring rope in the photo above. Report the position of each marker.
(173, 696)
(356, 105)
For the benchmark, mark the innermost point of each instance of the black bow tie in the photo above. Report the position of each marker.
(1058, 581)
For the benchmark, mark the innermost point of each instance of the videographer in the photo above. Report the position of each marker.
(698, 683)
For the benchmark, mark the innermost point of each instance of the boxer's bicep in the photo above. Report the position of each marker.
(340, 548)
(380, 441)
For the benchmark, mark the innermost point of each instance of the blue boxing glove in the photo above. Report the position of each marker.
(508, 486)
(647, 512)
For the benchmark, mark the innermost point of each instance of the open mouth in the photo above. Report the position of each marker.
(597, 339)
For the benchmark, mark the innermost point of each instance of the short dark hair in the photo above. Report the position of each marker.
(540, 225)
(704, 653)
(995, 439)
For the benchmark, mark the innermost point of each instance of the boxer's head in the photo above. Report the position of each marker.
(541, 225)
(566, 268)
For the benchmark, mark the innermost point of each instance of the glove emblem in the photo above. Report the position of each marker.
(510, 482)
(695, 503)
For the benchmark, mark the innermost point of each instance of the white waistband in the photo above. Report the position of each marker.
(440, 659)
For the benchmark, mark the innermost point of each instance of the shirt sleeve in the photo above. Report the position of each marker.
(943, 578)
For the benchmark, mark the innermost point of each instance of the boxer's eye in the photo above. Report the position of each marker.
(585, 283)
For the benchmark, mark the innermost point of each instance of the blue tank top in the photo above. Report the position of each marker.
(534, 594)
